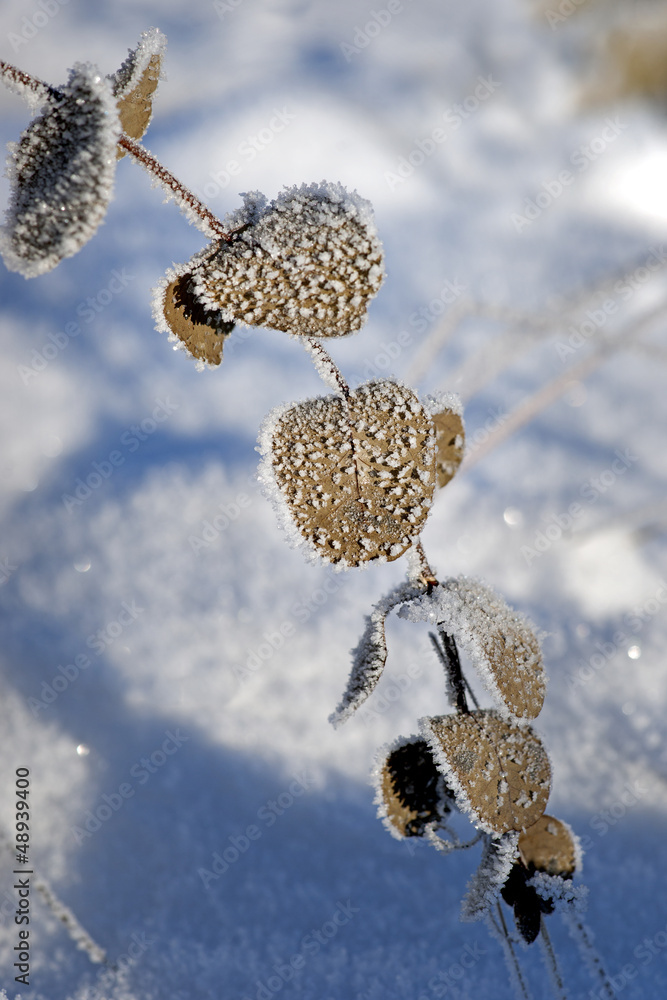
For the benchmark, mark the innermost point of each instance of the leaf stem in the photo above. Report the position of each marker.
(212, 226)
(20, 81)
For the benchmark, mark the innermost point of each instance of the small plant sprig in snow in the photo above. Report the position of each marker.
(354, 475)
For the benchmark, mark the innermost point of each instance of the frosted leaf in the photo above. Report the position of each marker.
(308, 263)
(499, 771)
(450, 438)
(501, 643)
(550, 846)
(61, 173)
(494, 868)
(370, 655)
(357, 475)
(135, 83)
(199, 331)
(411, 793)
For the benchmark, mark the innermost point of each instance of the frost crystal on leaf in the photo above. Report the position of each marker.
(134, 84)
(308, 263)
(484, 887)
(370, 655)
(501, 643)
(499, 772)
(199, 331)
(411, 793)
(550, 846)
(357, 474)
(61, 173)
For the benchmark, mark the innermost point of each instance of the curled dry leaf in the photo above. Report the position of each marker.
(135, 83)
(370, 655)
(549, 846)
(449, 444)
(499, 771)
(200, 332)
(495, 866)
(308, 263)
(61, 173)
(357, 475)
(411, 793)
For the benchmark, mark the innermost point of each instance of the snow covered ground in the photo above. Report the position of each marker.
(525, 231)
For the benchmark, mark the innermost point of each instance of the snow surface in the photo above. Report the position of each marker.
(229, 640)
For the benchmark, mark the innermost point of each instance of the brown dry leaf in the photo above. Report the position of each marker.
(500, 771)
(449, 444)
(308, 263)
(135, 109)
(411, 792)
(358, 477)
(202, 333)
(135, 83)
(549, 847)
(501, 643)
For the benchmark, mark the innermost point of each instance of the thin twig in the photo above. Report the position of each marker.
(326, 367)
(592, 960)
(428, 577)
(75, 930)
(555, 316)
(18, 79)
(553, 390)
(551, 962)
(510, 954)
